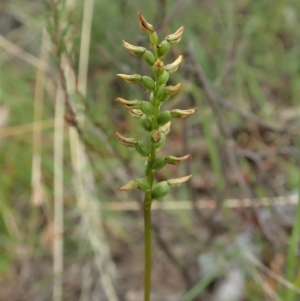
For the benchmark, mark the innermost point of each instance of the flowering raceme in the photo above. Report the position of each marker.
(155, 123)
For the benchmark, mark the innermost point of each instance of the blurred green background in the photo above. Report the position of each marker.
(250, 53)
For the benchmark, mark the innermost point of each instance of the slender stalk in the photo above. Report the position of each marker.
(36, 178)
(58, 197)
(148, 202)
(148, 246)
(148, 226)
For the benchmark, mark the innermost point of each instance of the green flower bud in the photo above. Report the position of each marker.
(158, 163)
(152, 98)
(162, 79)
(148, 83)
(176, 160)
(160, 190)
(160, 93)
(131, 79)
(146, 123)
(164, 117)
(135, 50)
(176, 113)
(163, 48)
(143, 184)
(149, 58)
(129, 142)
(142, 148)
(147, 108)
(165, 96)
(153, 38)
(179, 181)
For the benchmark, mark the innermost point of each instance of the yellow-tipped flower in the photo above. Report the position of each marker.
(136, 113)
(131, 79)
(135, 50)
(176, 160)
(165, 128)
(178, 181)
(144, 25)
(130, 185)
(172, 90)
(140, 183)
(175, 37)
(129, 142)
(177, 113)
(130, 104)
(171, 68)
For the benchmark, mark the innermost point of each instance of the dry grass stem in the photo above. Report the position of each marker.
(58, 196)
(256, 262)
(26, 128)
(37, 189)
(22, 54)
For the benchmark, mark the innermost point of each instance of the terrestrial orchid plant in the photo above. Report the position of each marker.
(156, 124)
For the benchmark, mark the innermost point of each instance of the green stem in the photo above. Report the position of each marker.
(148, 246)
(147, 213)
(148, 226)
(148, 202)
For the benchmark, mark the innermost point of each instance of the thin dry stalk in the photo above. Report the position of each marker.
(26, 128)
(36, 184)
(58, 196)
(268, 290)
(22, 54)
(256, 262)
(21, 38)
